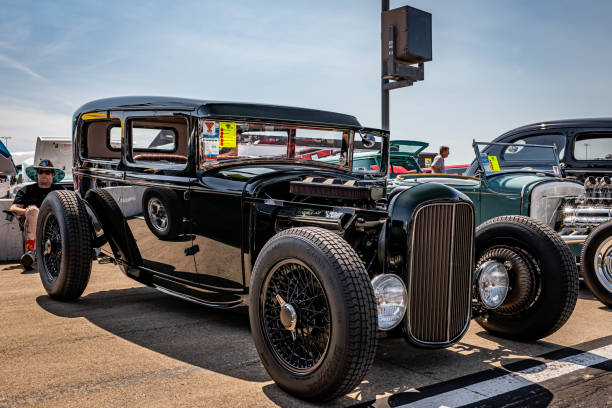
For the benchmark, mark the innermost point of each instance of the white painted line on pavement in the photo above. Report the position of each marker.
(514, 381)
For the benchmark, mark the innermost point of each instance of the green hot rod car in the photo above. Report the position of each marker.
(525, 179)
(233, 205)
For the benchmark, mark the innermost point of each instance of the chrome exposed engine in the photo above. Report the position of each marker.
(580, 215)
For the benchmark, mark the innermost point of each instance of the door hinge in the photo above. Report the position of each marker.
(187, 195)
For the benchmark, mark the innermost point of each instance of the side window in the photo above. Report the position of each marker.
(517, 153)
(160, 142)
(97, 137)
(364, 164)
(114, 138)
(154, 139)
(593, 146)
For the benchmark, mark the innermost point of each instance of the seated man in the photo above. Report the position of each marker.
(28, 200)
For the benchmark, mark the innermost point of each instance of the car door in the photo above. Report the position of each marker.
(216, 219)
(215, 206)
(153, 194)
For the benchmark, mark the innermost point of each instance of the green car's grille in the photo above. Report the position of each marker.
(440, 272)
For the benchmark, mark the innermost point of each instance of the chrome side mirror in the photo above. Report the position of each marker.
(368, 140)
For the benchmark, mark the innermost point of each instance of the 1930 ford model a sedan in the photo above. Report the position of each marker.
(233, 205)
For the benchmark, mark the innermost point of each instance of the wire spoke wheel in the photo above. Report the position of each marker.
(295, 316)
(52, 247)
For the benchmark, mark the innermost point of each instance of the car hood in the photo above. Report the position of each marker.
(514, 183)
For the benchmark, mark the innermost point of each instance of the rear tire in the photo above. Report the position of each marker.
(543, 274)
(597, 273)
(334, 312)
(63, 245)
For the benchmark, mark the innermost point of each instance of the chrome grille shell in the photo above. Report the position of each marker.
(440, 273)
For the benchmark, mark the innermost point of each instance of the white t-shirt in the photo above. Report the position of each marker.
(438, 164)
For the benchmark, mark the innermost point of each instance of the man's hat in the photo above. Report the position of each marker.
(32, 171)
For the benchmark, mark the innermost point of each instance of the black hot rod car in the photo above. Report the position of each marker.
(235, 205)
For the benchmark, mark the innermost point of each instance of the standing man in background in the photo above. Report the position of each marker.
(438, 163)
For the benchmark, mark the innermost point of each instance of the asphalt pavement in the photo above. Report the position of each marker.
(124, 344)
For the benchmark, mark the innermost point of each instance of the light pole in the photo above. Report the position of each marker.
(384, 96)
(405, 41)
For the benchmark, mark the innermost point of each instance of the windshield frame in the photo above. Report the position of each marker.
(203, 166)
(552, 172)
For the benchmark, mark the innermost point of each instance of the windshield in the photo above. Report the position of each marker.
(517, 157)
(224, 141)
(406, 147)
(367, 153)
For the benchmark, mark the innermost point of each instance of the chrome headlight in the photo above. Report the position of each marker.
(492, 283)
(391, 300)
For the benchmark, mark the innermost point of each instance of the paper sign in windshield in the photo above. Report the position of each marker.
(484, 161)
(209, 128)
(227, 134)
(211, 147)
(493, 163)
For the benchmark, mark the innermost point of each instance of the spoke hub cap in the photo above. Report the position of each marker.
(47, 249)
(288, 316)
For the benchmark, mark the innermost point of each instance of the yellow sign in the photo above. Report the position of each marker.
(227, 134)
(494, 164)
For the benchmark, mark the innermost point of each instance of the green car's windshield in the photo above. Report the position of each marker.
(505, 157)
(407, 147)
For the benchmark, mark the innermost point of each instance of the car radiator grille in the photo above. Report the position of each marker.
(440, 273)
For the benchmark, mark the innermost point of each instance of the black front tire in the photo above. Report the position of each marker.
(597, 273)
(63, 245)
(349, 343)
(543, 277)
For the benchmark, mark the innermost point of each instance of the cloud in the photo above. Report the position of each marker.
(25, 124)
(18, 66)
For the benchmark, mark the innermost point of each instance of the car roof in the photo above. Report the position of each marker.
(205, 108)
(558, 124)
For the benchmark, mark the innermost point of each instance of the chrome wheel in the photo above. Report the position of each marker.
(157, 214)
(295, 316)
(52, 247)
(603, 264)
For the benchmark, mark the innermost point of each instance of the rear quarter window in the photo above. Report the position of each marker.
(593, 146)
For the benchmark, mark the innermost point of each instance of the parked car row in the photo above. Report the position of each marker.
(320, 229)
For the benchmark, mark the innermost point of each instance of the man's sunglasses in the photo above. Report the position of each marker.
(46, 172)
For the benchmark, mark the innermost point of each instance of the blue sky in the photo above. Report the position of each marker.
(497, 64)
